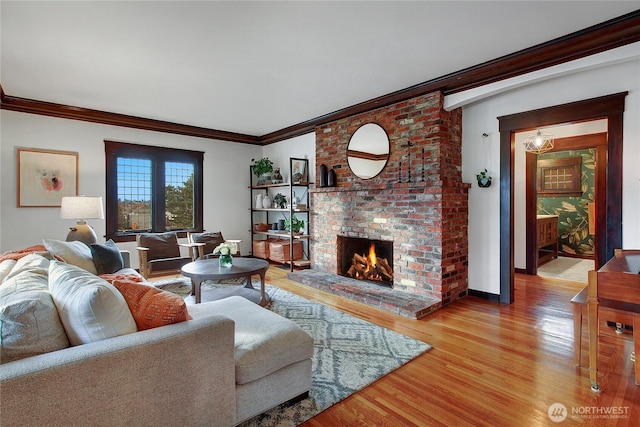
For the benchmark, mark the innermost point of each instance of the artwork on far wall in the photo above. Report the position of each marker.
(45, 176)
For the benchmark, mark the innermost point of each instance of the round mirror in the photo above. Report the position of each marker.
(368, 151)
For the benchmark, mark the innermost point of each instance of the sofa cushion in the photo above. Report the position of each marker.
(76, 253)
(29, 322)
(90, 308)
(265, 341)
(5, 268)
(151, 307)
(34, 263)
(106, 257)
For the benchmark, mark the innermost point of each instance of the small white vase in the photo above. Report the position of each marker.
(259, 201)
(266, 202)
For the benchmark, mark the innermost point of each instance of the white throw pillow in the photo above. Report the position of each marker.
(5, 268)
(29, 322)
(75, 252)
(33, 263)
(90, 308)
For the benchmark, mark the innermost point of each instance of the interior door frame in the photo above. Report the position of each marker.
(610, 107)
(597, 141)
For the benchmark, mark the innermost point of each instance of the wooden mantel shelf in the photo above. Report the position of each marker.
(421, 185)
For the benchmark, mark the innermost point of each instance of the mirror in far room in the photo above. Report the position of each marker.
(368, 151)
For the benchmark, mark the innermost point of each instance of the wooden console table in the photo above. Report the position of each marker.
(614, 291)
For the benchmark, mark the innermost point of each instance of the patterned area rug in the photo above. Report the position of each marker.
(349, 353)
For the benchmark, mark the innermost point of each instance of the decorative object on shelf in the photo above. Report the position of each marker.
(81, 208)
(299, 171)
(294, 224)
(539, 143)
(280, 200)
(261, 227)
(484, 180)
(331, 178)
(323, 175)
(262, 168)
(276, 178)
(225, 250)
(274, 226)
(280, 224)
(259, 201)
(266, 202)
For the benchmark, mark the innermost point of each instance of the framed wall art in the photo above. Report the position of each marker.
(298, 170)
(45, 176)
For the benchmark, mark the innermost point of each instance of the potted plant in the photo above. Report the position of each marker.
(484, 180)
(293, 224)
(262, 168)
(280, 200)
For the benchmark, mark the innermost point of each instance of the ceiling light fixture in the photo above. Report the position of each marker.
(539, 143)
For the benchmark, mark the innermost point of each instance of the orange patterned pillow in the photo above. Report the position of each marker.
(152, 307)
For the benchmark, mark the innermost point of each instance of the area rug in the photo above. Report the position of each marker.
(350, 354)
(567, 268)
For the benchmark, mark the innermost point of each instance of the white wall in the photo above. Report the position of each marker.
(303, 146)
(226, 176)
(481, 116)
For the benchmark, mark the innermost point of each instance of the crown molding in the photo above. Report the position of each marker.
(598, 38)
(103, 117)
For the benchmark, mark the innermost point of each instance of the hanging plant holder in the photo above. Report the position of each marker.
(484, 180)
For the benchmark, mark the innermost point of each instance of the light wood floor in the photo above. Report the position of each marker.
(491, 364)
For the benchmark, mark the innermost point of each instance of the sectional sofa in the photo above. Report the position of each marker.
(225, 362)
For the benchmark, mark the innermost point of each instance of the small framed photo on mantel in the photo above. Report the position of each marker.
(45, 177)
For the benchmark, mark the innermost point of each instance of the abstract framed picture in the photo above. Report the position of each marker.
(45, 176)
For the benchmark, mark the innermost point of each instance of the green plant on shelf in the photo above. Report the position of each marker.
(281, 200)
(293, 224)
(262, 166)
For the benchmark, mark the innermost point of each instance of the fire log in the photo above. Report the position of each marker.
(359, 258)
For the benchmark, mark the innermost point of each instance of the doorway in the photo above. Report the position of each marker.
(608, 220)
(575, 220)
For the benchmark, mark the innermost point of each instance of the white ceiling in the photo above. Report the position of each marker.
(257, 67)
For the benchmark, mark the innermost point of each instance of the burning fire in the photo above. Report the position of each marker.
(372, 254)
(369, 267)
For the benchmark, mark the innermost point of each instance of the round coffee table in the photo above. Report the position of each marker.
(209, 269)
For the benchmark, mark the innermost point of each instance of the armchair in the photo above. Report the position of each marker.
(206, 242)
(159, 253)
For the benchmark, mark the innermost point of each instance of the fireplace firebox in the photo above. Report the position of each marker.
(366, 259)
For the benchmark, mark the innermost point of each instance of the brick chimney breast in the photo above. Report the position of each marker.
(426, 218)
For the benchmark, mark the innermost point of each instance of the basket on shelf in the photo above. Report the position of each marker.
(262, 227)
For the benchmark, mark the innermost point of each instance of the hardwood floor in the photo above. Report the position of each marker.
(491, 364)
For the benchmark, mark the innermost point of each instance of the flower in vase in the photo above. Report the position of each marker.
(225, 249)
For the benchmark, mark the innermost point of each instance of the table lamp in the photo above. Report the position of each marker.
(82, 208)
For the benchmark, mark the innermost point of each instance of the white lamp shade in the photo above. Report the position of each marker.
(81, 207)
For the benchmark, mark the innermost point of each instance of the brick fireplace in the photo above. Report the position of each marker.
(425, 219)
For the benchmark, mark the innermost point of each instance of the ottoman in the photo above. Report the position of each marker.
(272, 355)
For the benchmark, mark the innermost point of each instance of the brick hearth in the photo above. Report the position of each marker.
(402, 303)
(426, 219)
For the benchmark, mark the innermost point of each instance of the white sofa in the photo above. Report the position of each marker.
(232, 361)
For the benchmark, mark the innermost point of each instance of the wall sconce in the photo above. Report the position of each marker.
(82, 208)
(539, 143)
